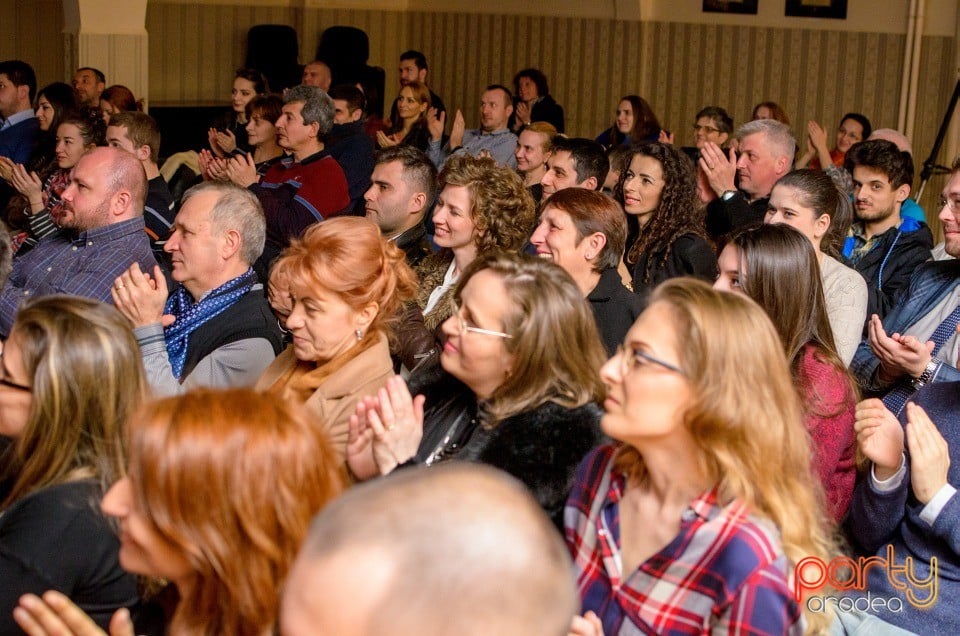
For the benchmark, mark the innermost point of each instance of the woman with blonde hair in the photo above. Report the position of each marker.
(516, 385)
(346, 283)
(482, 207)
(696, 517)
(220, 492)
(71, 377)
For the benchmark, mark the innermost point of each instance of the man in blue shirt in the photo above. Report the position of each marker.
(493, 136)
(18, 130)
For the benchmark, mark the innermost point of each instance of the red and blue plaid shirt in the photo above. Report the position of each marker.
(724, 573)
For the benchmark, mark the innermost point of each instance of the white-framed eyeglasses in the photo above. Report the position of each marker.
(464, 327)
(953, 204)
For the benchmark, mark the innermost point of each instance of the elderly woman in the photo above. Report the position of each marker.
(345, 282)
(693, 521)
(71, 377)
(482, 207)
(219, 495)
(584, 232)
(516, 386)
(776, 266)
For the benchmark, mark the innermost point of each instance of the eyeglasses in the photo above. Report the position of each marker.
(706, 129)
(953, 204)
(13, 385)
(464, 327)
(633, 359)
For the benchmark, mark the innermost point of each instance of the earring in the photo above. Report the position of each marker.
(359, 335)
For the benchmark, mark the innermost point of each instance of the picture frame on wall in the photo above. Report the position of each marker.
(748, 7)
(836, 9)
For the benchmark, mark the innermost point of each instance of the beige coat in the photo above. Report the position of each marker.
(333, 402)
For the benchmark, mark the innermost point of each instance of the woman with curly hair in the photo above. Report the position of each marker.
(635, 124)
(658, 191)
(482, 207)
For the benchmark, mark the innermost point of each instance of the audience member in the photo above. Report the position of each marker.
(89, 83)
(481, 208)
(584, 232)
(19, 126)
(413, 68)
(516, 385)
(409, 124)
(533, 102)
(71, 379)
(853, 129)
(54, 103)
(776, 266)
(770, 110)
(493, 136)
(41, 199)
(905, 510)
(635, 123)
(317, 73)
(712, 124)
(574, 163)
(218, 497)
(139, 134)
(101, 233)
(909, 209)
(362, 570)
(118, 99)
(619, 159)
(881, 245)
(534, 146)
(308, 185)
(346, 284)
(922, 344)
(215, 329)
(658, 190)
(766, 149)
(403, 190)
(348, 143)
(810, 202)
(694, 520)
(262, 115)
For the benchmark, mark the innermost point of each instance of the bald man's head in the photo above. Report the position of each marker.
(455, 549)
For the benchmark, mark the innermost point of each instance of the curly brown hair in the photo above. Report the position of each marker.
(678, 212)
(502, 209)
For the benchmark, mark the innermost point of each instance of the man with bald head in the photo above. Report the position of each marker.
(455, 549)
(742, 180)
(101, 233)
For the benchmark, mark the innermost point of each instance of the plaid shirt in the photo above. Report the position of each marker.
(724, 573)
(85, 264)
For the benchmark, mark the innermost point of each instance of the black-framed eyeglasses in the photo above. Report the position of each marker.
(10, 384)
(635, 358)
(705, 129)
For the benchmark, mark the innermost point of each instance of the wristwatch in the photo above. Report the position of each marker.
(928, 373)
(728, 194)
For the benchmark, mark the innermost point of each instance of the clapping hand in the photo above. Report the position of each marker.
(56, 615)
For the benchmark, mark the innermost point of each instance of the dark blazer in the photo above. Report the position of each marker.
(615, 309)
(690, 255)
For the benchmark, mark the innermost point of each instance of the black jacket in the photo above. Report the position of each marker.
(541, 447)
(723, 217)
(690, 255)
(887, 268)
(615, 309)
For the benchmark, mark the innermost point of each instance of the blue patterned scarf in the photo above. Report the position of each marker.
(192, 315)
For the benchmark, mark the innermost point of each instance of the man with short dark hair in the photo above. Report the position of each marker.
(413, 68)
(493, 136)
(89, 83)
(19, 126)
(574, 163)
(348, 143)
(101, 233)
(881, 245)
(138, 134)
(308, 185)
(215, 329)
(403, 190)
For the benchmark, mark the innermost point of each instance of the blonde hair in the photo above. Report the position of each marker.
(554, 339)
(231, 479)
(745, 417)
(86, 378)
